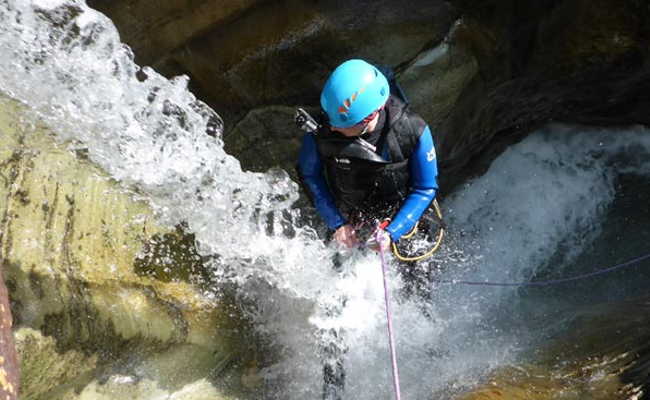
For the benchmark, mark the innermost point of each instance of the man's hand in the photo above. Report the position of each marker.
(346, 236)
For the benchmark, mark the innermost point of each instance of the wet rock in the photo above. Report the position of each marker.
(435, 80)
(256, 138)
(156, 28)
(171, 256)
(279, 52)
(126, 387)
(44, 368)
(483, 74)
(70, 245)
(602, 354)
(572, 61)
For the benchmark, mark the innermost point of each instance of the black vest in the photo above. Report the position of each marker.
(361, 179)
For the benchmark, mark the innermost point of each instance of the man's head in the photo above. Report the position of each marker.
(352, 94)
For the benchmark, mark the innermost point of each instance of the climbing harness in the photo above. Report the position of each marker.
(391, 338)
(436, 244)
(553, 281)
(395, 249)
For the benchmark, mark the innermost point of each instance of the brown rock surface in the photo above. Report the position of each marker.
(155, 28)
(91, 293)
(500, 70)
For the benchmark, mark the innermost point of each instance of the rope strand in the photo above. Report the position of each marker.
(552, 281)
(391, 339)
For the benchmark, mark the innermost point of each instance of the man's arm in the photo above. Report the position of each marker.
(424, 172)
(310, 168)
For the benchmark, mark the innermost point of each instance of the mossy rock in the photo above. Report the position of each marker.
(81, 260)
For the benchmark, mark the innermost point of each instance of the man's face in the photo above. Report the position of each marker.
(366, 124)
(354, 130)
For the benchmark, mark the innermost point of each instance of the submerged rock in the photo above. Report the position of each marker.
(45, 370)
(77, 256)
(126, 387)
(603, 354)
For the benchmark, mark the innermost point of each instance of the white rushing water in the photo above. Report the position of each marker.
(542, 198)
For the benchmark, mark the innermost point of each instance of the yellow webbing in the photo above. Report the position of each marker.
(436, 245)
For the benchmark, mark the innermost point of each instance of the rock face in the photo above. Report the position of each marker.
(154, 29)
(572, 61)
(259, 53)
(483, 74)
(82, 260)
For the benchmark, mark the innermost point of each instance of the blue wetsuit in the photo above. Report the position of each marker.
(423, 185)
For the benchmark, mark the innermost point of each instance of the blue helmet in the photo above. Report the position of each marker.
(352, 92)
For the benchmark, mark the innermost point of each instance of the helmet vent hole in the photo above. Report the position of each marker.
(382, 91)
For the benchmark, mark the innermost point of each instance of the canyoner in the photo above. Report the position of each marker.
(368, 164)
(367, 159)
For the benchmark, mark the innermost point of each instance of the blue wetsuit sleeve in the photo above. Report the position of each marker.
(310, 168)
(424, 172)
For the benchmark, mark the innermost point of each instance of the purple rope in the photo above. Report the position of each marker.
(549, 282)
(391, 340)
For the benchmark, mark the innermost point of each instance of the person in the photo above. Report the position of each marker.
(370, 159)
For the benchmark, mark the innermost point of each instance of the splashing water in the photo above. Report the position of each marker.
(66, 62)
(542, 198)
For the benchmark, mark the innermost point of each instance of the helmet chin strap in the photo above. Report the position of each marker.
(364, 130)
(371, 122)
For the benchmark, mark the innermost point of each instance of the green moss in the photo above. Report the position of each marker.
(72, 251)
(170, 256)
(44, 367)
